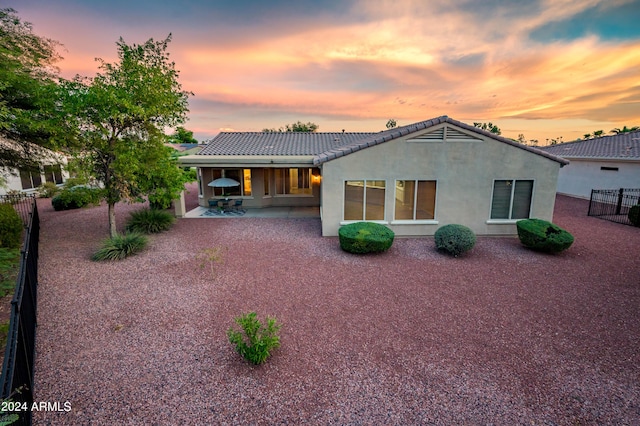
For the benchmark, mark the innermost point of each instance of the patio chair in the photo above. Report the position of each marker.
(237, 205)
(213, 204)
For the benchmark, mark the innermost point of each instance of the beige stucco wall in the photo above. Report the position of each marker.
(464, 171)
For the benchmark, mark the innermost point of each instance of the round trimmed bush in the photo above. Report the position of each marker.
(544, 236)
(10, 226)
(365, 237)
(75, 197)
(455, 239)
(634, 215)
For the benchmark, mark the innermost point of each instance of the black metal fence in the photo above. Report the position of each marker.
(613, 204)
(23, 203)
(17, 368)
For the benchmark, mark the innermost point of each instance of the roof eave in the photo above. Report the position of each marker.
(246, 160)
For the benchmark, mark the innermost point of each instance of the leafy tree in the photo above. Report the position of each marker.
(295, 127)
(598, 133)
(120, 115)
(391, 123)
(28, 92)
(159, 177)
(182, 135)
(554, 141)
(490, 127)
(625, 129)
(587, 136)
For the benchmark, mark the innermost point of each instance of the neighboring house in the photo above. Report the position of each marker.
(28, 180)
(609, 162)
(413, 179)
(185, 148)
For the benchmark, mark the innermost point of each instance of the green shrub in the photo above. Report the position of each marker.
(150, 221)
(47, 190)
(634, 215)
(544, 236)
(75, 181)
(365, 237)
(9, 265)
(454, 239)
(121, 246)
(76, 197)
(255, 342)
(10, 226)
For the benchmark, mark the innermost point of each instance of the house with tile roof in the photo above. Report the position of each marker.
(609, 162)
(413, 179)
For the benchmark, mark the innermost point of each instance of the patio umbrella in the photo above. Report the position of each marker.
(223, 183)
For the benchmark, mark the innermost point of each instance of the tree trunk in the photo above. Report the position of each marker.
(112, 220)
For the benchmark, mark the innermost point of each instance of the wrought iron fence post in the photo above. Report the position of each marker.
(619, 205)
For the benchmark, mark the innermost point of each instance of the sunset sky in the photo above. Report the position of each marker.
(543, 68)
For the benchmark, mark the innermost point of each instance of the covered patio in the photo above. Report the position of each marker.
(268, 212)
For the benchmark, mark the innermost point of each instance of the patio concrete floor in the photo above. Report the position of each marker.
(267, 212)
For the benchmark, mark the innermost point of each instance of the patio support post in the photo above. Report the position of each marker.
(180, 207)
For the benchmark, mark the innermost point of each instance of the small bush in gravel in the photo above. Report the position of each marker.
(212, 256)
(255, 342)
(634, 215)
(150, 221)
(76, 197)
(544, 236)
(365, 237)
(121, 246)
(10, 226)
(454, 239)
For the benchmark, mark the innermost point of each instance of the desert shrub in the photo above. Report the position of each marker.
(634, 215)
(149, 221)
(212, 256)
(10, 226)
(454, 239)
(255, 342)
(365, 237)
(121, 246)
(544, 236)
(76, 197)
(47, 190)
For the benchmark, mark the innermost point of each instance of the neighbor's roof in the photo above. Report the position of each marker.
(625, 146)
(278, 143)
(325, 147)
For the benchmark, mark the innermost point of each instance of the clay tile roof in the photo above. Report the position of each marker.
(625, 146)
(391, 134)
(278, 143)
(329, 146)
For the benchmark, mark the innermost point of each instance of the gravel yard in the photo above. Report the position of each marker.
(501, 335)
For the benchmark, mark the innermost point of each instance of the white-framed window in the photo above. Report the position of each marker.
(53, 173)
(31, 178)
(415, 200)
(511, 199)
(364, 199)
(293, 181)
(267, 179)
